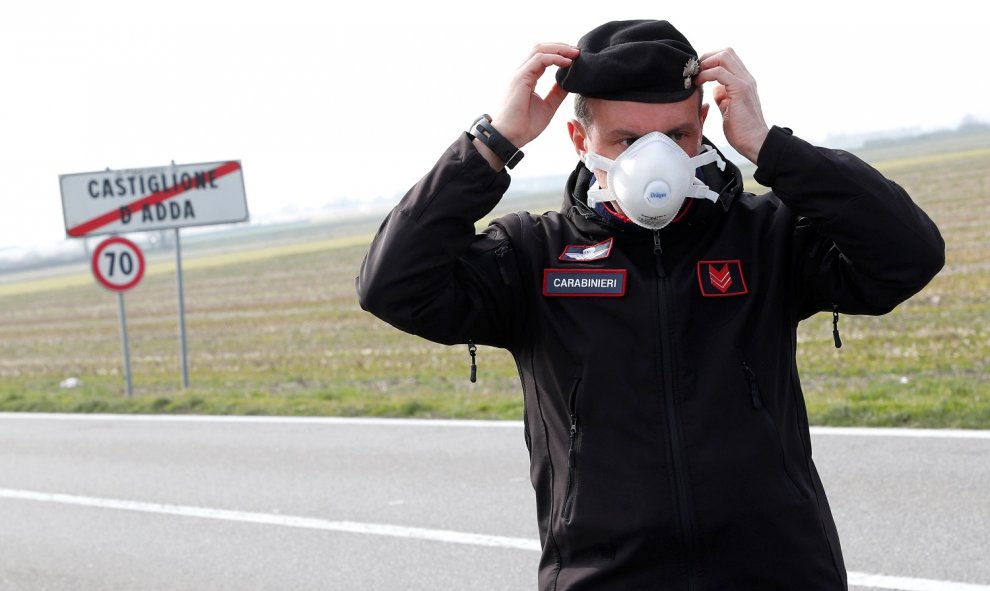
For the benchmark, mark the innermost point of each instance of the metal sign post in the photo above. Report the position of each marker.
(182, 312)
(118, 265)
(124, 344)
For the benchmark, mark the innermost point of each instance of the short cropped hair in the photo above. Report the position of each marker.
(582, 111)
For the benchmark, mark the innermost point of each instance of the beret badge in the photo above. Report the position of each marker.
(690, 69)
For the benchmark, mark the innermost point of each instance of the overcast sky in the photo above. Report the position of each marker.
(320, 103)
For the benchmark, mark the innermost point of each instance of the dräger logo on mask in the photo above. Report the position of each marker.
(657, 193)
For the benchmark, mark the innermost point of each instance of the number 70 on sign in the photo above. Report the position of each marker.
(118, 264)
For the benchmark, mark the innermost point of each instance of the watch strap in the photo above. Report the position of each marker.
(496, 142)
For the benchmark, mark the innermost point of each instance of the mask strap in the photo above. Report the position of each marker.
(596, 196)
(595, 162)
(707, 156)
(700, 190)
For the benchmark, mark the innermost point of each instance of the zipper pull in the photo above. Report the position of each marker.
(835, 326)
(658, 252)
(754, 388)
(473, 351)
(570, 451)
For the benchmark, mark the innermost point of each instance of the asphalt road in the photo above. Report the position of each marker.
(95, 503)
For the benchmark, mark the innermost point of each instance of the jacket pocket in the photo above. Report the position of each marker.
(756, 399)
(572, 449)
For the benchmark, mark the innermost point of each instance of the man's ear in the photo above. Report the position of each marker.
(579, 137)
(702, 115)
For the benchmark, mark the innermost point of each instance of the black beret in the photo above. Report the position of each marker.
(645, 61)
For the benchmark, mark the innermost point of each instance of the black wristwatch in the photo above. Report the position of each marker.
(496, 142)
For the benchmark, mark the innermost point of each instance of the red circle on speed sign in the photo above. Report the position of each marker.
(118, 264)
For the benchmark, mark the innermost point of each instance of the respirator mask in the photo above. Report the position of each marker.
(652, 178)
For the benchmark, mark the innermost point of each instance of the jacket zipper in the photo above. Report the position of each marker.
(754, 387)
(754, 394)
(678, 455)
(571, 451)
(500, 251)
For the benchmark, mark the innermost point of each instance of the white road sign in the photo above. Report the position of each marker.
(118, 264)
(137, 200)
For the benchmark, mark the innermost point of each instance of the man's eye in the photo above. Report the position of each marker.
(629, 141)
(677, 136)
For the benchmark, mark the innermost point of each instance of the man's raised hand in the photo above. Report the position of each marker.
(524, 114)
(737, 99)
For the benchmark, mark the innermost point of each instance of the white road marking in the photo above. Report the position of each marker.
(357, 421)
(902, 432)
(418, 533)
(909, 583)
(384, 422)
(374, 529)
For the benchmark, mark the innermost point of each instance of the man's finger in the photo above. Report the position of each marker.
(555, 97)
(706, 56)
(545, 55)
(726, 53)
(727, 59)
(716, 74)
(563, 49)
(537, 64)
(720, 94)
(556, 49)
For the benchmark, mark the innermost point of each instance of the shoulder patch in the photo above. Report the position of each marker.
(584, 252)
(721, 279)
(603, 283)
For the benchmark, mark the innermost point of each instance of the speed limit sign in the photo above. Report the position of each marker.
(118, 264)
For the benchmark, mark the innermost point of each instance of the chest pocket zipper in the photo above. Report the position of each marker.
(500, 251)
(572, 450)
(757, 400)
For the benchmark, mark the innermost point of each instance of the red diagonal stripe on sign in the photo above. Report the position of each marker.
(721, 278)
(112, 216)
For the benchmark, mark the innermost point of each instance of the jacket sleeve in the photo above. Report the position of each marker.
(860, 243)
(427, 271)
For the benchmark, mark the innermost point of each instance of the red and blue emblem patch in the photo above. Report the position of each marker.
(583, 253)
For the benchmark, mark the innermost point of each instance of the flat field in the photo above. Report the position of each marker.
(277, 330)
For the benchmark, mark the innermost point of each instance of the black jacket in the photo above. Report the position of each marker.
(666, 425)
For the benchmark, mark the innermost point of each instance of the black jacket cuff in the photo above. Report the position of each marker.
(770, 153)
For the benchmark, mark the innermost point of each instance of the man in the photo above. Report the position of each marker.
(665, 421)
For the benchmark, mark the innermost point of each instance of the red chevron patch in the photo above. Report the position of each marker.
(721, 278)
